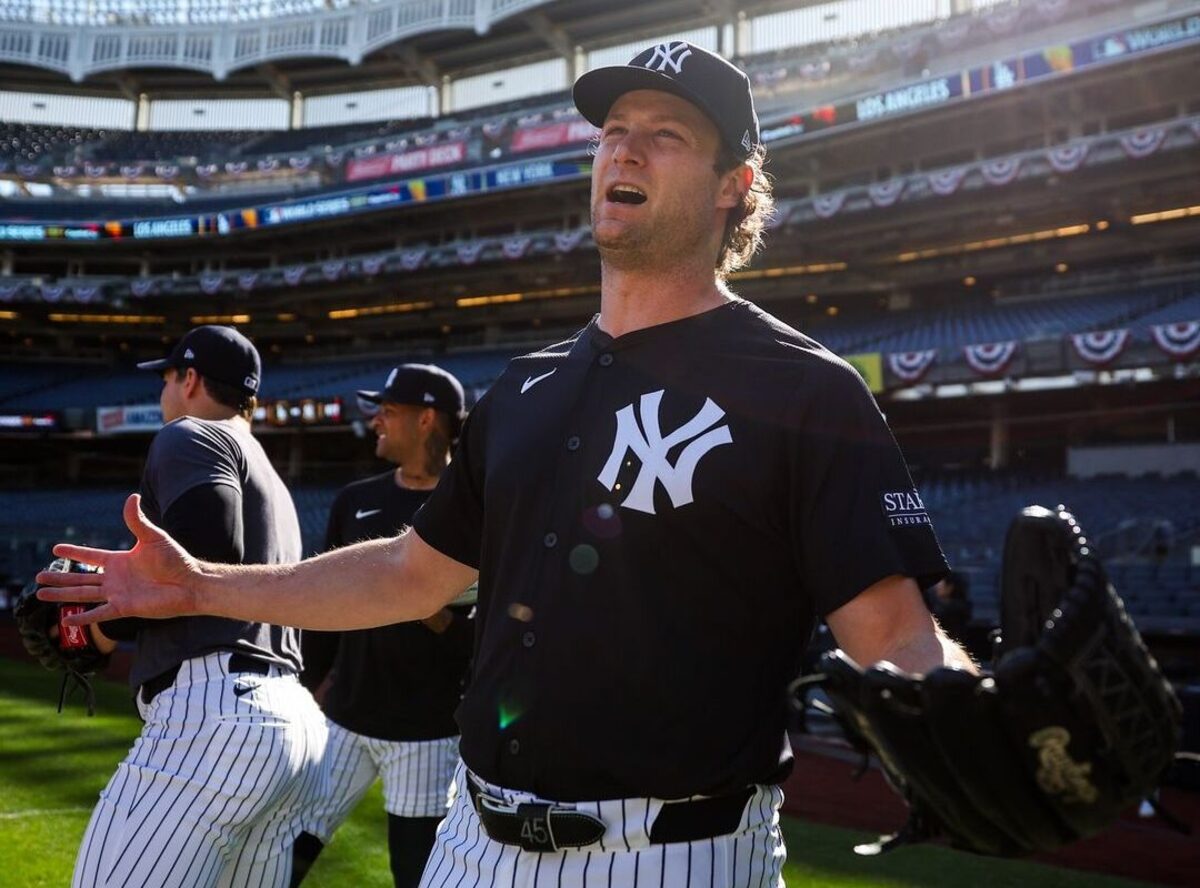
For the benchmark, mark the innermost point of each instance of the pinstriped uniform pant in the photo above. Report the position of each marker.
(752, 856)
(212, 793)
(416, 777)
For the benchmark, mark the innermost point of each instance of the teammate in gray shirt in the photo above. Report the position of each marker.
(213, 790)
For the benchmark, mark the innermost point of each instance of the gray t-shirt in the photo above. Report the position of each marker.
(185, 454)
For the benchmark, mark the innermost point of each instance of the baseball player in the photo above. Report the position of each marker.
(212, 790)
(395, 688)
(657, 511)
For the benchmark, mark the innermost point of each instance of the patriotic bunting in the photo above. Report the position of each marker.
(8, 292)
(332, 270)
(132, 170)
(334, 159)
(300, 163)
(1180, 340)
(515, 247)
(95, 170)
(294, 274)
(468, 253)
(204, 170)
(884, 194)
(411, 260)
(911, 366)
(247, 280)
(1052, 10)
(1067, 158)
(236, 167)
(66, 172)
(28, 170)
(1001, 20)
(1001, 171)
(166, 170)
(1100, 347)
(267, 164)
(87, 292)
(566, 241)
(827, 205)
(53, 292)
(372, 265)
(211, 281)
(141, 287)
(990, 358)
(946, 182)
(1144, 142)
(953, 32)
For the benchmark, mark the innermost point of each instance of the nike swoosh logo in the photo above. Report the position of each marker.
(360, 514)
(242, 690)
(531, 381)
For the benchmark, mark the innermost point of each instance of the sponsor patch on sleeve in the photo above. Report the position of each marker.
(903, 508)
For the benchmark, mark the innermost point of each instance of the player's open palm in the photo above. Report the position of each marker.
(153, 579)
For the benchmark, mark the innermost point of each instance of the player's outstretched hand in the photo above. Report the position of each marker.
(156, 578)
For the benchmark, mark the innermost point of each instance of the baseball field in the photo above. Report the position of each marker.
(52, 767)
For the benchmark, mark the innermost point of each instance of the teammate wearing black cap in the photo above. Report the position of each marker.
(213, 789)
(394, 688)
(658, 510)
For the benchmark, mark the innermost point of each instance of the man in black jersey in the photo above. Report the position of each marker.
(658, 510)
(394, 689)
(229, 758)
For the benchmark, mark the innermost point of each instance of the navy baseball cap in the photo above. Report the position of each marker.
(422, 384)
(701, 77)
(220, 353)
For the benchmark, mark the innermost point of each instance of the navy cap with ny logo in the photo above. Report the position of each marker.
(703, 78)
(220, 353)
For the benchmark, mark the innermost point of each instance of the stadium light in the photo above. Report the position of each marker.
(1165, 215)
(9, 316)
(221, 319)
(60, 318)
(992, 243)
(369, 310)
(788, 271)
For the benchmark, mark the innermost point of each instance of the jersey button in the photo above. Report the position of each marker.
(605, 360)
(514, 746)
(573, 442)
(550, 540)
(529, 639)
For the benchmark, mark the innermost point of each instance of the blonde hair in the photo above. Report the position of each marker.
(745, 223)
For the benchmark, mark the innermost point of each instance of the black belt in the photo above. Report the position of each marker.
(237, 663)
(547, 827)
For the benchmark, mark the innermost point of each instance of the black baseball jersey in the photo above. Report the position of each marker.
(398, 682)
(190, 453)
(658, 521)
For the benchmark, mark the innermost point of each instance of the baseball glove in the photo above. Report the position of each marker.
(66, 649)
(1075, 724)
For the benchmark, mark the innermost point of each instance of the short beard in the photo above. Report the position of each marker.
(437, 445)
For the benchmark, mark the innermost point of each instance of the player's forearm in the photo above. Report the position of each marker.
(927, 651)
(368, 584)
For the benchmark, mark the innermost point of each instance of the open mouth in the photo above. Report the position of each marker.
(626, 194)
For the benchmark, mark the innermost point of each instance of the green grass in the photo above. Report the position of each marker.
(53, 766)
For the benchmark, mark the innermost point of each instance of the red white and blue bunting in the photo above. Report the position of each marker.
(142, 287)
(411, 260)
(1100, 347)
(912, 365)
(210, 282)
(515, 247)
(372, 265)
(827, 205)
(1144, 142)
(1000, 171)
(946, 182)
(468, 253)
(884, 194)
(1180, 340)
(566, 241)
(990, 358)
(1067, 158)
(247, 280)
(332, 269)
(294, 274)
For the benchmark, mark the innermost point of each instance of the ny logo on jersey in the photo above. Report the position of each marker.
(669, 55)
(651, 448)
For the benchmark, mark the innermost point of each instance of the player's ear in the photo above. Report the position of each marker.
(191, 379)
(734, 186)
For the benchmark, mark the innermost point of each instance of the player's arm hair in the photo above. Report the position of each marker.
(889, 621)
(372, 583)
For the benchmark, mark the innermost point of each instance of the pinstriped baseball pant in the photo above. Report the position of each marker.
(752, 856)
(212, 792)
(416, 777)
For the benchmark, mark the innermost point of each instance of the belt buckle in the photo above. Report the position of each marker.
(536, 833)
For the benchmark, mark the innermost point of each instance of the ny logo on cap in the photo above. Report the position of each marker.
(669, 55)
(189, 355)
(747, 142)
(251, 383)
